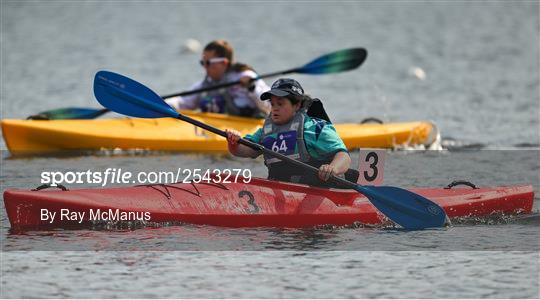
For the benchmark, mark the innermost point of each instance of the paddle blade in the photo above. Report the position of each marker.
(334, 62)
(68, 113)
(126, 96)
(404, 207)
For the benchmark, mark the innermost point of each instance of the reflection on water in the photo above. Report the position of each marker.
(466, 234)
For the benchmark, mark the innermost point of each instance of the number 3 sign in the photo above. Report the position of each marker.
(371, 166)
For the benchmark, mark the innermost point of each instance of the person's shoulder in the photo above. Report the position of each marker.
(312, 121)
(314, 125)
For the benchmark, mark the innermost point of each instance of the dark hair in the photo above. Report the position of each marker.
(222, 48)
(297, 99)
(240, 67)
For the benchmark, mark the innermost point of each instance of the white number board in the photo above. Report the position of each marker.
(371, 166)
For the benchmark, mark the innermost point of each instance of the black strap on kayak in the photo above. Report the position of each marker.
(48, 185)
(460, 182)
(38, 117)
(164, 188)
(371, 120)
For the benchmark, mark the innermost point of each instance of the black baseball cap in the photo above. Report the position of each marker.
(284, 87)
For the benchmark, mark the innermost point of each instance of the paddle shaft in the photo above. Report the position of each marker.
(338, 61)
(259, 147)
(211, 88)
(227, 84)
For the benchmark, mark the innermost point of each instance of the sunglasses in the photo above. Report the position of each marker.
(206, 63)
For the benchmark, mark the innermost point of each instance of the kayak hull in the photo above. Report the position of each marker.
(261, 203)
(26, 137)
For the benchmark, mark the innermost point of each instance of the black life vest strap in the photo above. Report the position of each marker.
(316, 110)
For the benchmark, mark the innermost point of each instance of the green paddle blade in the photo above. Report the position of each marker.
(338, 61)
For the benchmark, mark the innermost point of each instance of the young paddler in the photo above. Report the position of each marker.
(239, 100)
(290, 131)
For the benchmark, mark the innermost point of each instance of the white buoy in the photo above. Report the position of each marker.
(417, 72)
(191, 45)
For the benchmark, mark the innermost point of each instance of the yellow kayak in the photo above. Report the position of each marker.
(25, 137)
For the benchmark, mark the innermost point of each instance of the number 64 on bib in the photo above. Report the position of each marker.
(371, 166)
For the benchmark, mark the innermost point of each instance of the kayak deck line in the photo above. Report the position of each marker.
(25, 137)
(261, 203)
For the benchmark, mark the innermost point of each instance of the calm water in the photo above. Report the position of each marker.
(481, 61)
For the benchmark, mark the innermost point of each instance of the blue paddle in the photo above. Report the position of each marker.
(128, 97)
(338, 61)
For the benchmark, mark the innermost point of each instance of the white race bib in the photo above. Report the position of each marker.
(371, 166)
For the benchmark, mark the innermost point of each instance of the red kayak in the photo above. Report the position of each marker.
(261, 203)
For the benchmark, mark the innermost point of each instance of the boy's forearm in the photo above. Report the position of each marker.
(341, 162)
(243, 151)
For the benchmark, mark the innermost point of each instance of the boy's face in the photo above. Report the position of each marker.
(282, 110)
